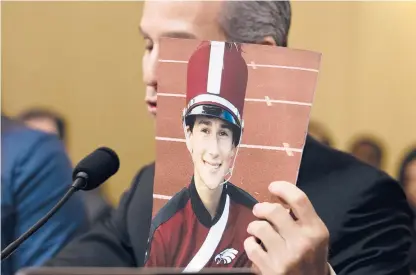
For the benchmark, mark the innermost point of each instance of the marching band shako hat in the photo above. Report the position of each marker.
(216, 82)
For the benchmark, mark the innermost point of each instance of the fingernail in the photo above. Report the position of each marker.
(272, 186)
(255, 208)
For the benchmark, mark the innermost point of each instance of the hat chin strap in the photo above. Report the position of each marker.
(230, 170)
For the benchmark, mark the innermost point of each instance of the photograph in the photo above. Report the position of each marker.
(225, 128)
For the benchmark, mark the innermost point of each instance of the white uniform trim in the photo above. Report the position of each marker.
(216, 63)
(331, 270)
(211, 242)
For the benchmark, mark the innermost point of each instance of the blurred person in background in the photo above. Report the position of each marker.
(52, 122)
(45, 120)
(407, 178)
(357, 217)
(368, 150)
(35, 174)
(318, 132)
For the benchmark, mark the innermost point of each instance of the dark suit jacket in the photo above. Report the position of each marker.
(364, 209)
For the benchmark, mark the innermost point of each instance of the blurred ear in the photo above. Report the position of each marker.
(268, 40)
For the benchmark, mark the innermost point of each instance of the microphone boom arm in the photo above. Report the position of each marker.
(90, 173)
(14, 245)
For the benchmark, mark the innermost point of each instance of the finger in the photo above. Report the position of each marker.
(257, 255)
(285, 205)
(255, 269)
(268, 236)
(278, 217)
(297, 200)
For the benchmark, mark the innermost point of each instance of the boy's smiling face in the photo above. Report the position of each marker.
(212, 150)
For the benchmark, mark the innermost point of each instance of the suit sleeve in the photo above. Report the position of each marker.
(107, 244)
(376, 232)
(43, 175)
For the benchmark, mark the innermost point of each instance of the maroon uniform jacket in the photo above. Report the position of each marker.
(183, 234)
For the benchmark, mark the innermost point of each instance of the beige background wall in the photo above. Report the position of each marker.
(84, 60)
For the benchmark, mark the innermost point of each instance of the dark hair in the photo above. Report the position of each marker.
(373, 143)
(407, 159)
(190, 121)
(315, 127)
(36, 113)
(252, 21)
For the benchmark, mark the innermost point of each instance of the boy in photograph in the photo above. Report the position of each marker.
(205, 224)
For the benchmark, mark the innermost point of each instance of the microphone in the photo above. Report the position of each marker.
(90, 173)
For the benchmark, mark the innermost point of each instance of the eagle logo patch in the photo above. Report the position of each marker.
(226, 256)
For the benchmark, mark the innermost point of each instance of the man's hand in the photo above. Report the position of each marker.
(293, 245)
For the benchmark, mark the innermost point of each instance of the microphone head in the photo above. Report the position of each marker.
(98, 167)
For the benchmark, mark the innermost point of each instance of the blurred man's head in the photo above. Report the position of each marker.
(261, 22)
(407, 176)
(369, 151)
(318, 132)
(44, 120)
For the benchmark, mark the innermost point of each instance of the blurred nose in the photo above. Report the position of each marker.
(149, 66)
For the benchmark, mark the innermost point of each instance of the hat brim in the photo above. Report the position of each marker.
(214, 111)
